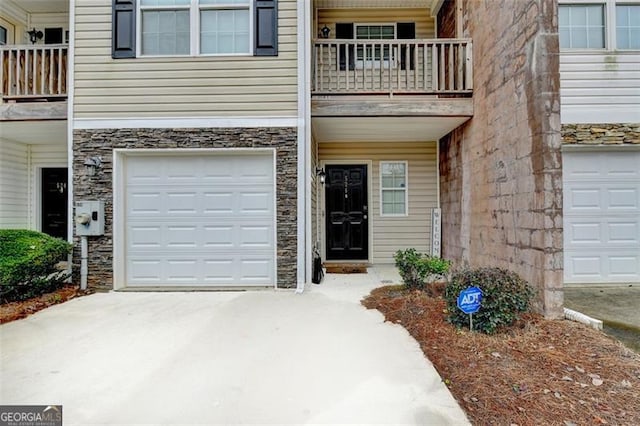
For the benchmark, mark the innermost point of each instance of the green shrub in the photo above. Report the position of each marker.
(504, 296)
(416, 268)
(28, 263)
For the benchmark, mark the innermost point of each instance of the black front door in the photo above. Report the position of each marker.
(54, 202)
(347, 212)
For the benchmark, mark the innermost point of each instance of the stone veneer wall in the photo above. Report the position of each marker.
(101, 142)
(501, 172)
(601, 134)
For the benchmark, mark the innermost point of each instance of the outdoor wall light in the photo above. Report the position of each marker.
(321, 174)
(92, 164)
(325, 31)
(35, 35)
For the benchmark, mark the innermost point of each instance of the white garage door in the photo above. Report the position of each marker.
(601, 216)
(200, 220)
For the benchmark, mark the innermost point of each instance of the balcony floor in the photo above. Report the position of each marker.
(381, 118)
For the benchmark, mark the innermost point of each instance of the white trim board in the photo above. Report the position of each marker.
(183, 123)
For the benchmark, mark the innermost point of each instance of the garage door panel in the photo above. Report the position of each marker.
(588, 165)
(624, 233)
(200, 220)
(601, 216)
(622, 198)
(623, 266)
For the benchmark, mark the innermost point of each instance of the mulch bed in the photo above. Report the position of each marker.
(538, 372)
(16, 310)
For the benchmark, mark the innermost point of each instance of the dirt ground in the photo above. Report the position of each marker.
(17, 310)
(538, 372)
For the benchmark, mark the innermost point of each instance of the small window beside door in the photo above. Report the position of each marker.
(393, 188)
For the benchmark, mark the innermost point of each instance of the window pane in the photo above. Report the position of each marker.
(224, 2)
(581, 26)
(596, 38)
(165, 2)
(165, 32)
(563, 16)
(565, 38)
(628, 26)
(579, 15)
(224, 31)
(634, 38)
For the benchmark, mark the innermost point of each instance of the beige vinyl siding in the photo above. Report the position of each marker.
(393, 233)
(600, 87)
(188, 86)
(49, 20)
(425, 25)
(13, 185)
(49, 155)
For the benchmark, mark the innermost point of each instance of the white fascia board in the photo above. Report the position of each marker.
(183, 123)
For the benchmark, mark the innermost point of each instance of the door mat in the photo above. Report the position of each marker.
(345, 268)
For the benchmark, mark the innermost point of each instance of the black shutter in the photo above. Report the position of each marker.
(266, 27)
(406, 30)
(345, 31)
(123, 32)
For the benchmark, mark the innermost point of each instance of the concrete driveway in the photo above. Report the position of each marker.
(218, 358)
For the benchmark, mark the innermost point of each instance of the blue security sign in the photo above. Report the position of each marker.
(469, 300)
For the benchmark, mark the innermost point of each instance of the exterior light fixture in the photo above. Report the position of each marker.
(35, 35)
(92, 164)
(325, 31)
(321, 175)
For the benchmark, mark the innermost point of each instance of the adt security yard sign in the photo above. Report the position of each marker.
(469, 301)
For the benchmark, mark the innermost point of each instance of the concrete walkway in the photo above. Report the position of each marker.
(269, 357)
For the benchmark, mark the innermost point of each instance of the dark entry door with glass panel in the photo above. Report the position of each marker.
(346, 212)
(54, 202)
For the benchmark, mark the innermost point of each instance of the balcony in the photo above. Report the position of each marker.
(392, 67)
(34, 72)
(390, 90)
(32, 79)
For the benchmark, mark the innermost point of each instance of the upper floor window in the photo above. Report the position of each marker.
(193, 27)
(628, 26)
(582, 26)
(374, 32)
(3, 36)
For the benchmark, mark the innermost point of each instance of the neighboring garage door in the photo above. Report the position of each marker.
(203, 220)
(601, 216)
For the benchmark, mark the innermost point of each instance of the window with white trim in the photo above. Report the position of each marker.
(374, 32)
(393, 188)
(581, 26)
(195, 27)
(628, 26)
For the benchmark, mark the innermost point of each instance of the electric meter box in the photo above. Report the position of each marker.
(89, 218)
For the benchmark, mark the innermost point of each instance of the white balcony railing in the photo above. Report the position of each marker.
(438, 66)
(33, 72)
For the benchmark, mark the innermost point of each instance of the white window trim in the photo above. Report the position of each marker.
(391, 63)
(406, 188)
(194, 8)
(614, 24)
(610, 24)
(605, 22)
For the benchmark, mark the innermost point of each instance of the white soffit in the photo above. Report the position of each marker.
(43, 6)
(383, 129)
(35, 132)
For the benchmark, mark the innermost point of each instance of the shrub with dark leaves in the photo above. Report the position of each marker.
(504, 296)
